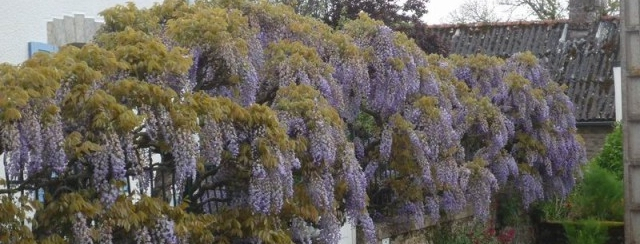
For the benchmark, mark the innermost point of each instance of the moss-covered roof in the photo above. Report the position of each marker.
(582, 60)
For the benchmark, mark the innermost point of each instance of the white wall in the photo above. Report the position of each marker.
(24, 21)
(617, 82)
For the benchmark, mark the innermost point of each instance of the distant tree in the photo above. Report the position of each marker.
(390, 12)
(612, 8)
(555, 9)
(334, 12)
(540, 9)
(320, 9)
(427, 41)
(474, 11)
(400, 16)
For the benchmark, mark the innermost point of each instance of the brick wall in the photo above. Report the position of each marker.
(594, 137)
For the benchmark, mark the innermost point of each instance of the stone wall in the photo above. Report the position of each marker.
(594, 137)
(388, 233)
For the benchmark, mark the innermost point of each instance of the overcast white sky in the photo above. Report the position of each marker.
(439, 10)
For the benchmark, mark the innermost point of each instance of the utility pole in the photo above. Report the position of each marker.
(630, 64)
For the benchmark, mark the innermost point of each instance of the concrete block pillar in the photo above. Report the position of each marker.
(630, 67)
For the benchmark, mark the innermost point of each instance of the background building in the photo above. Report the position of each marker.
(580, 52)
(31, 25)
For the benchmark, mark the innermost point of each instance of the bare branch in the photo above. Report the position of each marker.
(541, 9)
(474, 11)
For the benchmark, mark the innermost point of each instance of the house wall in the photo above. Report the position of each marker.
(594, 137)
(25, 21)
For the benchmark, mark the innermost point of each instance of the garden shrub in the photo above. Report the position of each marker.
(555, 208)
(586, 232)
(600, 195)
(611, 156)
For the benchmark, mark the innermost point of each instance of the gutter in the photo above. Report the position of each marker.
(595, 123)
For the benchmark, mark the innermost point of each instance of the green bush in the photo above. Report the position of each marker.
(586, 232)
(600, 195)
(555, 209)
(611, 156)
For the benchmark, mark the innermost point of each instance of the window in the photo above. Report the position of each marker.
(35, 47)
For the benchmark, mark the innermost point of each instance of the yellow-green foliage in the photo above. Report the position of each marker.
(311, 30)
(435, 70)
(12, 218)
(443, 74)
(211, 27)
(476, 62)
(429, 106)
(85, 65)
(143, 54)
(109, 88)
(516, 82)
(526, 143)
(476, 166)
(403, 41)
(222, 110)
(297, 57)
(305, 101)
(486, 111)
(363, 27)
(129, 216)
(76, 147)
(403, 161)
(91, 105)
(12, 97)
(527, 58)
(120, 17)
(139, 93)
(37, 80)
(396, 63)
(115, 86)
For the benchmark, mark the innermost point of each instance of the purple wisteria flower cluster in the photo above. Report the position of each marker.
(273, 127)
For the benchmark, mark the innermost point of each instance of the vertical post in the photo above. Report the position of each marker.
(630, 64)
(617, 84)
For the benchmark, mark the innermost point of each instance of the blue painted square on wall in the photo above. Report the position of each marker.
(35, 47)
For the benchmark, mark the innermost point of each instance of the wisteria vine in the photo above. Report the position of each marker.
(273, 127)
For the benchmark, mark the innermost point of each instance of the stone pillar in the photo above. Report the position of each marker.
(582, 15)
(585, 11)
(630, 67)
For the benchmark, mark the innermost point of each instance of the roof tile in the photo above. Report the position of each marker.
(583, 63)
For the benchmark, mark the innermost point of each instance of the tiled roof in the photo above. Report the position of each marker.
(582, 62)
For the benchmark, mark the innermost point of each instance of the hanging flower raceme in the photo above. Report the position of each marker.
(391, 68)
(267, 126)
(328, 159)
(552, 152)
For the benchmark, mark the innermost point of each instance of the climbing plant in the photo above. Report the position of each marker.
(270, 127)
